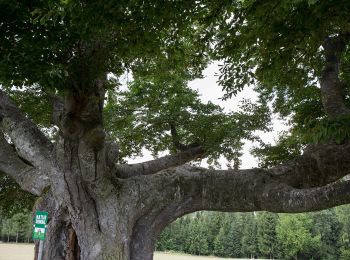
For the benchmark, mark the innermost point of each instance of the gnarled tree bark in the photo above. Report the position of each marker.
(101, 210)
(332, 87)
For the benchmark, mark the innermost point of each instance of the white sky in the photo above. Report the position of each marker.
(209, 90)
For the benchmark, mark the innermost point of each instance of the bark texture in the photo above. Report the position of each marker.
(100, 210)
(332, 87)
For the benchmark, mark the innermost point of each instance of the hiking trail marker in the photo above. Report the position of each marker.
(39, 230)
(40, 221)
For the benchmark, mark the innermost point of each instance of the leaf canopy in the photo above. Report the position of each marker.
(51, 47)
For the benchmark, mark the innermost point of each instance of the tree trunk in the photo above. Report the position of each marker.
(99, 216)
(17, 237)
(69, 239)
(101, 210)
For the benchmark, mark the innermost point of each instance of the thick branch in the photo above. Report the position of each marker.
(332, 89)
(154, 166)
(254, 191)
(283, 198)
(318, 166)
(184, 189)
(245, 190)
(29, 141)
(304, 184)
(29, 178)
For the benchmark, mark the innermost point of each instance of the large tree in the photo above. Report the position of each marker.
(66, 125)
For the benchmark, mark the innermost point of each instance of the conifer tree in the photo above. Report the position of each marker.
(266, 233)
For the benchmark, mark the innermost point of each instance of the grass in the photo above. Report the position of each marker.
(12, 251)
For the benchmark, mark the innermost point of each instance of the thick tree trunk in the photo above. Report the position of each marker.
(90, 213)
(100, 210)
(69, 238)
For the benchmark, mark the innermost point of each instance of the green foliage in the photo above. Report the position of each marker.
(173, 237)
(35, 103)
(154, 107)
(57, 43)
(213, 223)
(219, 248)
(343, 215)
(323, 131)
(275, 48)
(7, 228)
(314, 131)
(16, 228)
(275, 43)
(52, 47)
(232, 243)
(13, 198)
(249, 236)
(266, 234)
(198, 245)
(295, 237)
(316, 235)
(288, 147)
(228, 241)
(328, 227)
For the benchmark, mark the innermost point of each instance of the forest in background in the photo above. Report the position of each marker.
(17, 228)
(316, 235)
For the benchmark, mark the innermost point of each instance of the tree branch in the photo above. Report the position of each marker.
(154, 166)
(332, 89)
(310, 182)
(29, 141)
(242, 191)
(57, 109)
(318, 166)
(283, 198)
(29, 178)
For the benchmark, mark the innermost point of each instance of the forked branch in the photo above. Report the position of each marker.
(27, 176)
(313, 181)
(154, 166)
(29, 141)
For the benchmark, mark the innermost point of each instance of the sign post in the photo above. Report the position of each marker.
(39, 231)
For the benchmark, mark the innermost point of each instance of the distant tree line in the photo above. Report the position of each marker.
(316, 235)
(16, 228)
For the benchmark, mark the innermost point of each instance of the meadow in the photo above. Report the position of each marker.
(12, 251)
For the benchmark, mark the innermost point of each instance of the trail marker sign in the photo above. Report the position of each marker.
(40, 225)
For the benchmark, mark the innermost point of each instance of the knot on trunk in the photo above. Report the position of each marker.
(112, 153)
(94, 138)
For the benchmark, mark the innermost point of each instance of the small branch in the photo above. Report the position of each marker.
(154, 166)
(331, 87)
(29, 178)
(29, 141)
(175, 138)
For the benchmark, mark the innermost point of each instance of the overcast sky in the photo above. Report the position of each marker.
(209, 90)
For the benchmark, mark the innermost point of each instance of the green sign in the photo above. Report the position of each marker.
(40, 225)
